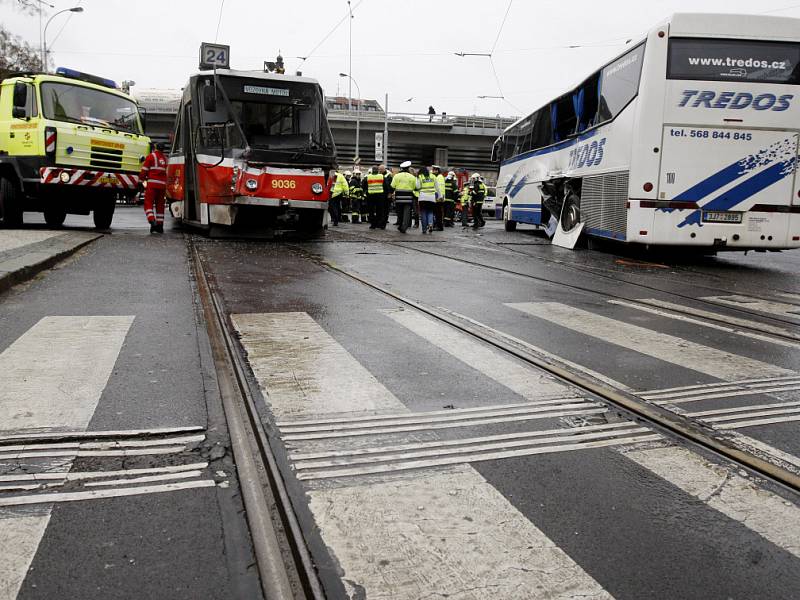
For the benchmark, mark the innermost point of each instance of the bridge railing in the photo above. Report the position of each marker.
(468, 121)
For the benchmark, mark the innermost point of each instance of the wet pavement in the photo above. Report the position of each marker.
(421, 461)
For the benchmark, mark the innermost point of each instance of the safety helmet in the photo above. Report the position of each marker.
(451, 174)
(476, 176)
(405, 165)
(357, 172)
(437, 167)
(348, 173)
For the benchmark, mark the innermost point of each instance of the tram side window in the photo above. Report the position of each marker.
(177, 142)
(619, 83)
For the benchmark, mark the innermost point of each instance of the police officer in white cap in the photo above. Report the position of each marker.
(404, 185)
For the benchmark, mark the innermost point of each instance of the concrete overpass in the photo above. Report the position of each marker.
(454, 141)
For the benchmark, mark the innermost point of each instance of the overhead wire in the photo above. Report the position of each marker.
(329, 34)
(219, 20)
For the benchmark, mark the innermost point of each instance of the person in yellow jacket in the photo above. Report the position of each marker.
(429, 193)
(404, 185)
(339, 190)
(438, 210)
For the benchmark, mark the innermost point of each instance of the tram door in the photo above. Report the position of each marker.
(191, 199)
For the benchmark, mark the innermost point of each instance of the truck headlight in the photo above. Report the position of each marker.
(317, 188)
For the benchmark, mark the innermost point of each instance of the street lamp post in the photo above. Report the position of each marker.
(358, 113)
(75, 9)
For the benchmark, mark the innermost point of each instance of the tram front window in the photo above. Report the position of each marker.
(280, 126)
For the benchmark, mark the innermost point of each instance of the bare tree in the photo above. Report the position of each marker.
(16, 54)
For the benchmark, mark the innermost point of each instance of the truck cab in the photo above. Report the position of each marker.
(70, 143)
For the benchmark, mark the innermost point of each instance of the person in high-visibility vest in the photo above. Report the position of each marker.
(345, 208)
(356, 196)
(464, 199)
(339, 190)
(429, 193)
(450, 196)
(376, 196)
(404, 185)
(438, 211)
(477, 193)
(153, 178)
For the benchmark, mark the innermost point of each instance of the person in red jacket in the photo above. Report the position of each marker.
(153, 178)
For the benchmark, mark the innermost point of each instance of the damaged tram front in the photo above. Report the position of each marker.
(251, 150)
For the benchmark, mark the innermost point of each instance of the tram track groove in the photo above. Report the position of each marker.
(716, 318)
(660, 418)
(259, 475)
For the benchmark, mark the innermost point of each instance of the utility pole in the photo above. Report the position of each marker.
(386, 131)
(350, 66)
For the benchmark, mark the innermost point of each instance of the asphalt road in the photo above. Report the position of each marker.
(421, 462)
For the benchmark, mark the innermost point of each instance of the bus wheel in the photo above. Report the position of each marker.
(571, 214)
(10, 209)
(103, 213)
(54, 216)
(507, 222)
(311, 221)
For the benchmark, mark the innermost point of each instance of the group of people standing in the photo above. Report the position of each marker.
(427, 197)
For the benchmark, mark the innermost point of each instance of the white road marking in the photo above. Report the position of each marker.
(788, 296)
(731, 394)
(766, 327)
(789, 412)
(118, 433)
(453, 415)
(299, 456)
(74, 453)
(720, 384)
(384, 418)
(744, 409)
(435, 426)
(51, 377)
(528, 383)
(304, 370)
(146, 479)
(540, 351)
(468, 453)
(760, 510)
(765, 306)
(661, 346)
(106, 445)
(102, 494)
(376, 530)
(757, 422)
(78, 475)
(710, 324)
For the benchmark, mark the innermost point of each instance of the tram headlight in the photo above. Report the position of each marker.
(317, 188)
(251, 184)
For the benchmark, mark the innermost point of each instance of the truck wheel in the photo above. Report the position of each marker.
(10, 208)
(54, 216)
(103, 213)
(508, 224)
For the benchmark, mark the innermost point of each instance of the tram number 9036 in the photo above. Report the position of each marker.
(284, 184)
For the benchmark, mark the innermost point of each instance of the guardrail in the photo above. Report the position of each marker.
(470, 121)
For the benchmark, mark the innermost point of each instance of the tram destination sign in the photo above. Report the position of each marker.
(215, 56)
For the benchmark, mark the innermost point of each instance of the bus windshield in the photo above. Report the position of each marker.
(734, 60)
(79, 104)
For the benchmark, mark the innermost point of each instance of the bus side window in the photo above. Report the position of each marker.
(542, 129)
(619, 83)
(585, 100)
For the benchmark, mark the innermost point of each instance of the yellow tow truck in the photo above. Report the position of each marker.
(70, 143)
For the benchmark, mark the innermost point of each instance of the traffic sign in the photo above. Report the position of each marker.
(215, 56)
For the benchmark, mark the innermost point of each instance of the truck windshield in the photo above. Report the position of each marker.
(79, 104)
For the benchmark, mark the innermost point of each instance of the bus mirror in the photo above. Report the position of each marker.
(209, 99)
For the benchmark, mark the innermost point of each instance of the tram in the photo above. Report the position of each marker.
(687, 138)
(253, 150)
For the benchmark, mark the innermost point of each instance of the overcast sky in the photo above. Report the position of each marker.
(403, 48)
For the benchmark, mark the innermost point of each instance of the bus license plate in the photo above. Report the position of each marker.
(715, 216)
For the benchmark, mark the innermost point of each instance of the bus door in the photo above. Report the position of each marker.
(191, 199)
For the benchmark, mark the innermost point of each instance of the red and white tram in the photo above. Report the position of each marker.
(251, 149)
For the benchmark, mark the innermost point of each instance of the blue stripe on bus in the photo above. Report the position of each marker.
(515, 206)
(745, 190)
(605, 233)
(549, 149)
(534, 217)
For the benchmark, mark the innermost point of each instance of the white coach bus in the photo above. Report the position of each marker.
(688, 138)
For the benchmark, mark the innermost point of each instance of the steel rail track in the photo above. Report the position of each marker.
(259, 474)
(408, 246)
(658, 417)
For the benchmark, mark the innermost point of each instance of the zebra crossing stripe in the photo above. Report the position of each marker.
(661, 346)
(736, 384)
(353, 517)
(72, 358)
(705, 323)
(714, 316)
(747, 409)
(766, 306)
